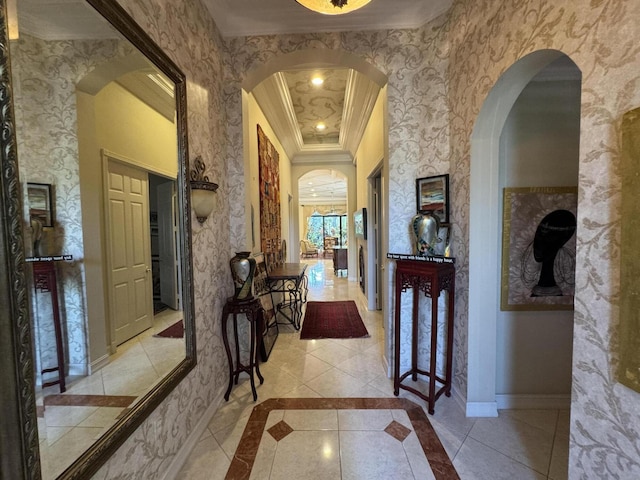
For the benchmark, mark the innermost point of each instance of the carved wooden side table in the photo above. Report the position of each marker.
(45, 281)
(431, 278)
(254, 313)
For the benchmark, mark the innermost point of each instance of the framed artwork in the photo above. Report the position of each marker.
(40, 203)
(269, 182)
(432, 194)
(360, 223)
(262, 290)
(538, 248)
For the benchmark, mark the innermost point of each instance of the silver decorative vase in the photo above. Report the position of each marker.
(425, 227)
(243, 269)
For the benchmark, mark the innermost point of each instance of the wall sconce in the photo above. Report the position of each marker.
(203, 192)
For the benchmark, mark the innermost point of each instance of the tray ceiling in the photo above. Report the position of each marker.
(265, 17)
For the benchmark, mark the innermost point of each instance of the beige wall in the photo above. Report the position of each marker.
(370, 153)
(255, 117)
(116, 121)
(370, 158)
(132, 129)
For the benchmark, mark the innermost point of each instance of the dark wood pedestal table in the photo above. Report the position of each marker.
(431, 278)
(45, 281)
(254, 313)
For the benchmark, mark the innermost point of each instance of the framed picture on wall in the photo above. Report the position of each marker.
(360, 223)
(432, 195)
(538, 248)
(40, 203)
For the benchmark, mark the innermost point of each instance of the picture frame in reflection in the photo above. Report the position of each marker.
(40, 200)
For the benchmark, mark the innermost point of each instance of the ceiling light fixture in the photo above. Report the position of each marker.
(317, 81)
(320, 127)
(333, 7)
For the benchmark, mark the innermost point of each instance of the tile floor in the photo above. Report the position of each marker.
(68, 423)
(338, 441)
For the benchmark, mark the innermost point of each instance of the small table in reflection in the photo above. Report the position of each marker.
(45, 280)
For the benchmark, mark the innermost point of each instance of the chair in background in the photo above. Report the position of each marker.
(307, 249)
(329, 243)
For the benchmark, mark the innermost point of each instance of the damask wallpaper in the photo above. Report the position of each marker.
(438, 78)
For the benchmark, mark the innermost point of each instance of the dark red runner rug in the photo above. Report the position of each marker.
(332, 320)
(174, 331)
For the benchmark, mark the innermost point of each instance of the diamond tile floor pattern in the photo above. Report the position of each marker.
(326, 411)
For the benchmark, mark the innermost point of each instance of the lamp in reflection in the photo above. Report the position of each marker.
(333, 7)
(203, 192)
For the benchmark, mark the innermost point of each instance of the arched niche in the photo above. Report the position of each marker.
(484, 229)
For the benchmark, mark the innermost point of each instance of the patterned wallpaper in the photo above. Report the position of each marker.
(439, 77)
(318, 104)
(487, 37)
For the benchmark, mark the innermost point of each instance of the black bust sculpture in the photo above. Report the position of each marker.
(553, 232)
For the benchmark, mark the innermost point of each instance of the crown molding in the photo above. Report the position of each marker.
(323, 156)
(360, 98)
(273, 98)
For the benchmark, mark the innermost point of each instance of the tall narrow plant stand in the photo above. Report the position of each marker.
(431, 278)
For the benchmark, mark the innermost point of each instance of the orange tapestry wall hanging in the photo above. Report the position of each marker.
(269, 178)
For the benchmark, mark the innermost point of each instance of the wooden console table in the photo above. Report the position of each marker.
(252, 308)
(430, 278)
(289, 280)
(340, 259)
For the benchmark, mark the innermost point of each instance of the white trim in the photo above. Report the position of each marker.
(98, 364)
(539, 402)
(482, 409)
(484, 228)
(77, 369)
(192, 440)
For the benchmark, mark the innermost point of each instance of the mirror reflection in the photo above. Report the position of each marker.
(97, 146)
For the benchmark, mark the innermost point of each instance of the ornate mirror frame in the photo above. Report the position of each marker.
(18, 422)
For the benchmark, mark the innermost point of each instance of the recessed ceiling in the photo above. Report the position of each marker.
(294, 106)
(268, 17)
(318, 104)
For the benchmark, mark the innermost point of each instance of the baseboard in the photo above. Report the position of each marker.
(481, 409)
(538, 402)
(98, 364)
(77, 370)
(192, 440)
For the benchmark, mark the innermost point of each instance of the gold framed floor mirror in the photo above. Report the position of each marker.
(83, 92)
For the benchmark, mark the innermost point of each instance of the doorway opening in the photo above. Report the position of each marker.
(536, 100)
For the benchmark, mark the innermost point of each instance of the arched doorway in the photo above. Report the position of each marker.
(491, 171)
(322, 197)
(264, 84)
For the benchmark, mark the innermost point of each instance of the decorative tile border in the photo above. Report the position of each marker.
(89, 400)
(242, 463)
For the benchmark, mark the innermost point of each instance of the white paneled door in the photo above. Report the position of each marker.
(129, 238)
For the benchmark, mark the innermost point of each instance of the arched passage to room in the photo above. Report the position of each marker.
(324, 221)
(516, 122)
(270, 87)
